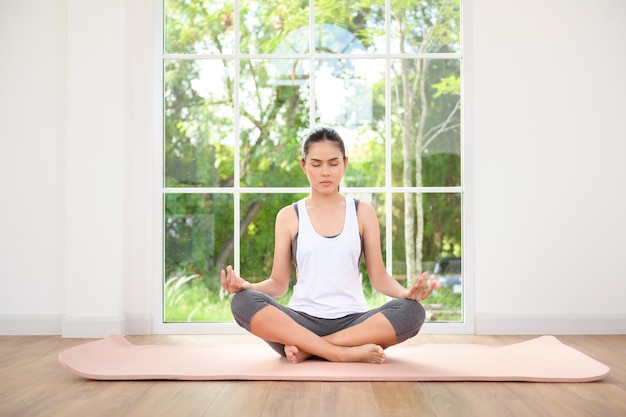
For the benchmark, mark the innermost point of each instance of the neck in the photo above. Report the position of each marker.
(316, 199)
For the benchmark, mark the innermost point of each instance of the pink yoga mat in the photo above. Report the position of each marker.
(543, 359)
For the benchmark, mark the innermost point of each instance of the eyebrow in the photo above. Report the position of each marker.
(331, 159)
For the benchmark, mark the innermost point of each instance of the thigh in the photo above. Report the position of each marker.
(406, 317)
(247, 303)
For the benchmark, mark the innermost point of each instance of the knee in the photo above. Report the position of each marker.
(419, 313)
(245, 304)
(409, 320)
(414, 312)
(240, 301)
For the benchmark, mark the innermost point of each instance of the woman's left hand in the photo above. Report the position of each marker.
(420, 291)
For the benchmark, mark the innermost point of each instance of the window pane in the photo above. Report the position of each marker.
(347, 91)
(430, 240)
(350, 96)
(199, 123)
(425, 27)
(426, 119)
(258, 217)
(274, 117)
(377, 200)
(349, 28)
(199, 26)
(198, 236)
(274, 26)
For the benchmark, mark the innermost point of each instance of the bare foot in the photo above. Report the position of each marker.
(295, 355)
(370, 353)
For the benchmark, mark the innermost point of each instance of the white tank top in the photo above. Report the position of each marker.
(328, 279)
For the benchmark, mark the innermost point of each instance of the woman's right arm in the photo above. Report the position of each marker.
(278, 282)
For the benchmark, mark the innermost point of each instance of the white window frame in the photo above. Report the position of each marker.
(466, 190)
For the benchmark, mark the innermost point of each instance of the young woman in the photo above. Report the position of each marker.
(325, 235)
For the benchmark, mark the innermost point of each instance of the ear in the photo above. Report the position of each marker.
(303, 165)
(345, 163)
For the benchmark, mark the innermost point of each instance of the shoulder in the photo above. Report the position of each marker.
(367, 217)
(286, 213)
(365, 209)
(287, 220)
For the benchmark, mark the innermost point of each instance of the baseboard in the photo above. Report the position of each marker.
(138, 324)
(501, 324)
(92, 327)
(30, 324)
(76, 327)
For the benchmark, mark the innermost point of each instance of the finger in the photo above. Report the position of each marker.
(415, 291)
(434, 282)
(411, 293)
(224, 281)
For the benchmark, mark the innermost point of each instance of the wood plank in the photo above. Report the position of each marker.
(348, 399)
(400, 399)
(293, 398)
(239, 399)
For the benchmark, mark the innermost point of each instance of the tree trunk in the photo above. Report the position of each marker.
(227, 251)
(422, 67)
(408, 151)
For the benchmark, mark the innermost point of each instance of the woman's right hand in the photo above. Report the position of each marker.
(232, 282)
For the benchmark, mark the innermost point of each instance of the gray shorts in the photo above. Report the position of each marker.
(406, 316)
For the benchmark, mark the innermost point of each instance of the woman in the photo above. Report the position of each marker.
(325, 235)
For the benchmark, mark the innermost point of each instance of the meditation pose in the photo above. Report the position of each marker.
(325, 235)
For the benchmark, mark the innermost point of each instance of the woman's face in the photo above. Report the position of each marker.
(324, 166)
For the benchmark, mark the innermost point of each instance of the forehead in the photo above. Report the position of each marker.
(324, 150)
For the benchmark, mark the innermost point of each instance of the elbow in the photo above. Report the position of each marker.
(282, 291)
(279, 289)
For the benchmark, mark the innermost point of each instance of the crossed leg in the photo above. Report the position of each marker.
(364, 342)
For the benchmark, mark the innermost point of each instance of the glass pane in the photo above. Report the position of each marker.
(426, 119)
(258, 217)
(274, 26)
(430, 240)
(199, 26)
(377, 200)
(198, 236)
(274, 117)
(199, 123)
(349, 27)
(350, 96)
(430, 26)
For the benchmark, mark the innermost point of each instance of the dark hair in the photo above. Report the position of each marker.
(320, 134)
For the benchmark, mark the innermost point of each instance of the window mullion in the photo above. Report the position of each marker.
(237, 152)
(312, 61)
(388, 177)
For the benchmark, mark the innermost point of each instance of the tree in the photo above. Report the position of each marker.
(425, 27)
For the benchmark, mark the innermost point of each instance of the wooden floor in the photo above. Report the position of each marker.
(32, 383)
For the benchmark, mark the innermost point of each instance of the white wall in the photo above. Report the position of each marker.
(76, 150)
(76, 164)
(32, 165)
(550, 144)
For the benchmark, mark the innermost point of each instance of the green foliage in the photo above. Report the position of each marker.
(448, 86)
(186, 299)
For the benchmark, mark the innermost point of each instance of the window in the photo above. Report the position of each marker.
(244, 81)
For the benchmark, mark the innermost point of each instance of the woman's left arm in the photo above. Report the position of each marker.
(380, 279)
